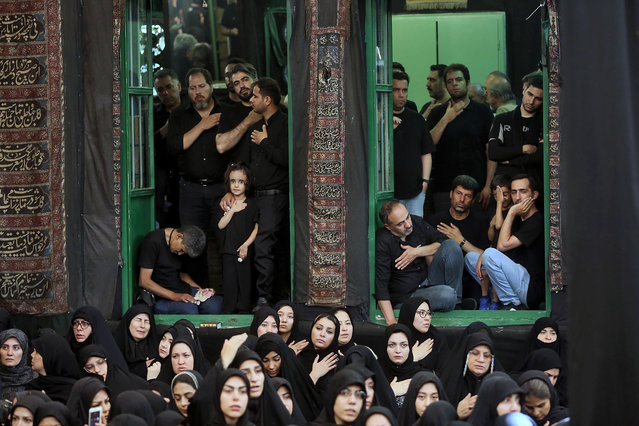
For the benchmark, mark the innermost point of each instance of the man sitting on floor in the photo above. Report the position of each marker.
(161, 271)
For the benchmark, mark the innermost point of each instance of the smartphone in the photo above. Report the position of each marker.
(95, 416)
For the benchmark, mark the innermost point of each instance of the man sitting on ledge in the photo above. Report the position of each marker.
(161, 271)
(413, 259)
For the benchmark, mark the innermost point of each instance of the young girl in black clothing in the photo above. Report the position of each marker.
(239, 225)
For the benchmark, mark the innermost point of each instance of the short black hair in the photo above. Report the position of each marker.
(398, 66)
(166, 72)
(269, 87)
(235, 60)
(246, 69)
(534, 185)
(467, 182)
(534, 79)
(457, 67)
(240, 165)
(194, 239)
(439, 68)
(204, 72)
(500, 180)
(386, 210)
(400, 75)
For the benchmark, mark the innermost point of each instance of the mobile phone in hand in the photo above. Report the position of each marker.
(95, 416)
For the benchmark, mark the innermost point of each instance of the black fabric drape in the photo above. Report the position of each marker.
(600, 206)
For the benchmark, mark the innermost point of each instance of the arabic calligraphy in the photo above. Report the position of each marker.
(20, 115)
(24, 285)
(23, 200)
(24, 243)
(19, 28)
(20, 71)
(22, 157)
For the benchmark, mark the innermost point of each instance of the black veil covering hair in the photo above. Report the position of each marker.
(15, 379)
(308, 354)
(259, 317)
(169, 418)
(363, 356)
(136, 353)
(532, 343)
(439, 413)
(544, 359)
(186, 325)
(407, 414)
(126, 419)
(81, 397)
(458, 384)
(494, 388)
(384, 411)
(100, 335)
(557, 412)
(342, 379)
(351, 343)
(133, 402)
(405, 370)
(199, 364)
(293, 371)
(295, 334)
(268, 409)
(118, 380)
(54, 409)
(59, 364)
(157, 403)
(437, 358)
(30, 402)
(217, 415)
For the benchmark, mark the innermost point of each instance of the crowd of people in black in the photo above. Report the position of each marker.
(141, 373)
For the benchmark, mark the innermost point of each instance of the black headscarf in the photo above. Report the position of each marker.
(439, 413)
(29, 402)
(556, 412)
(126, 419)
(54, 409)
(408, 414)
(437, 358)
(60, 367)
(295, 335)
(167, 373)
(190, 377)
(81, 397)
(458, 384)
(494, 388)
(118, 380)
(541, 359)
(533, 343)
(157, 403)
(342, 379)
(351, 343)
(259, 317)
(364, 356)
(100, 335)
(136, 353)
(133, 402)
(292, 370)
(402, 371)
(308, 354)
(278, 382)
(164, 389)
(15, 379)
(186, 325)
(221, 379)
(383, 411)
(5, 320)
(169, 418)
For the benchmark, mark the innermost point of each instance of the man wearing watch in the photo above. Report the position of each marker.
(412, 148)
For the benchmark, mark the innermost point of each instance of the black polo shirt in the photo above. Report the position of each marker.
(474, 227)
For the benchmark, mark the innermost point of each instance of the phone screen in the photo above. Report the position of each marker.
(95, 416)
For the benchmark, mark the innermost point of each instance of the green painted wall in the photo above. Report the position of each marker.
(476, 40)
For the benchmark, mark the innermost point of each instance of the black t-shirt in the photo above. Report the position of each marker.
(240, 227)
(232, 116)
(462, 147)
(394, 284)
(155, 254)
(411, 140)
(201, 160)
(474, 228)
(530, 254)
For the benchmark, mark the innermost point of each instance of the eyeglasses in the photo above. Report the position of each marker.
(90, 368)
(81, 324)
(423, 314)
(359, 394)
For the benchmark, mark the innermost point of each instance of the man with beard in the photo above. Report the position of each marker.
(237, 119)
(231, 99)
(168, 87)
(460, 129)
(516, 136)
(191, 137)
(436, 89)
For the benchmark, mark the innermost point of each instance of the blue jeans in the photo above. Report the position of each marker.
(415, 205)
(212, 306)
(509, 279)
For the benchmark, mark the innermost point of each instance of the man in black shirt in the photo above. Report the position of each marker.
(161, 271)
(516, 266)
(412, 147)
(413, 259)
(460, 129)
(436, 89)
(191, 137)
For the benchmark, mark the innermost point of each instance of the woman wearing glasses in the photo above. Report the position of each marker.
(89, 327)
(432, 351)
(344, 400)
(94, 361)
